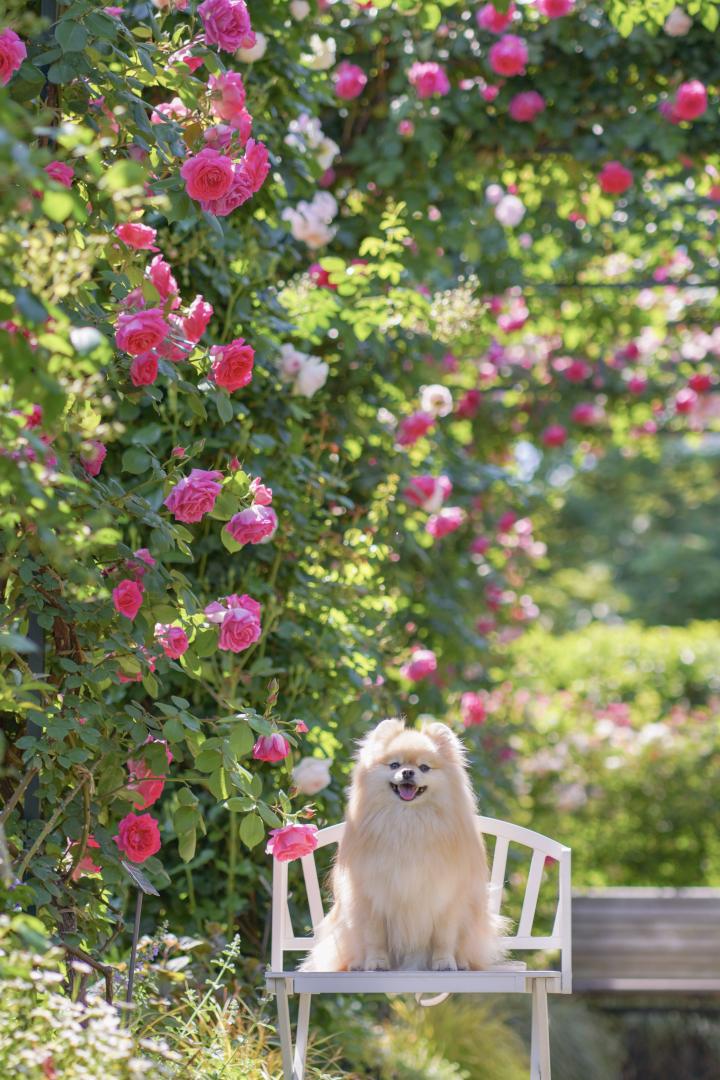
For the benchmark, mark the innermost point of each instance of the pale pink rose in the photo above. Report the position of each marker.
(127, 597)
(138, 837)
(240, 626)
(195, 323)
(428, 492)
(227, 24)
(690, 100)
(161, 275)
(144, 370)
(227, 96)
(271, 748)
(85, 865)
(141, 562)
(614, 178)
(473, 708)
(137, 236)
(428, 80)
(195, 495)
(446, 521)
(350, 80)
(489, 18)
(220, 136)
(262, 495)
(173, 639)
(168, 111)
(61, 173)
(292, 842)
(301, 727)
(422, 663)
(413, 427)
(92, 461)
(139, 332)
(526, 106)
(509, 55)
(208, 175)
(12, 54)
(253, 525)
(555, 9)
(232, 365)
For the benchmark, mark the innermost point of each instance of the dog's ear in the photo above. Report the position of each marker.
(446, 741)
(384, 731)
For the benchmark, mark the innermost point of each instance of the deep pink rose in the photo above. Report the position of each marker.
(555, 9)
(413, 427)
(85, 865)
(138, 837)
(61, 173)
(445, 521)
(195, 323)
(272, 748)
(148, 784)
(614, 178)
(195, 495)
(173, 639)
(468, 405)
(700, 382)
(12, 54)
(473, 708)
(92, 462)
(509, 55)
(127, 597)
(690, 100)
(262, 495)
(138, 332)
(161, 275)
(685, 400)
(144, 370)
(586, 413)
(320, 277)
(240, 626)
(428, 80)
(228, 97)
(526, 106)
(350, 80)
(208, 175)
(232, 365)
(248, 177)
(227, 24)
(422, 663)
(554, 435)
(292, 842)
(489, 18)
(253, 525)
(137, 236)
(428, 492)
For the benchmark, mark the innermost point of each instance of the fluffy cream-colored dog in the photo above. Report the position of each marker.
(410, 881)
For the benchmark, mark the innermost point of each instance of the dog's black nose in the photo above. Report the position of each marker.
(408, 774)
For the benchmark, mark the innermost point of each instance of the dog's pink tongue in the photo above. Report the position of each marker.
(407, 792)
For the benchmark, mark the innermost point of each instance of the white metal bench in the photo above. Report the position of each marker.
(511, 977)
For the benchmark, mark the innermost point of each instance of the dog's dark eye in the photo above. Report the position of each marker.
(394, 765)
(424, 768)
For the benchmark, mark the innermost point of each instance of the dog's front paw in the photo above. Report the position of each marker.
(443, 963)
(377, 962)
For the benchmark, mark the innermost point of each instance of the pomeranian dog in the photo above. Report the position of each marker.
(410, 879)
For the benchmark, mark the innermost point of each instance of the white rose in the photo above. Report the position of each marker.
(494, 193)
(510, 211)
(291, 361)
(327, 151)
(310, 221)
(322, 56)
(311, 775)
(299, 9)
(436, 400)
(249, 56)
(677, 23)
(311, 377)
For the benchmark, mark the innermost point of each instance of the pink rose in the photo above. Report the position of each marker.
(137, 236)
(422, 663)
(228, 97)
(292, 842)
(526, 106)
(232, 365)
(227, 24)
(253, 525)
(413, 427)
(240, 626)
(141, 562)
(262, 495)
(173, 639)
(489, 18)
(428, 492)
(350, 80)
(685, 400)
(142, 779)
(473, 709)
(85, 865)
(406, 129)
(555, 9)
(194, 496)
(169, 110)
(92, 462)
(700, 382)
(509, 55)
(586, 413)
(428, 80)
(12, 54)
(248, 177)
(144, 370)
(195, 323)
(138, 837)
(272, 748)
(614, 178)
(208, 175)
(161, 275)
(61, 173)
(690, 100)
(445, 521)
(468, 405)
(138, 332)
(127, 598)
(554, 435)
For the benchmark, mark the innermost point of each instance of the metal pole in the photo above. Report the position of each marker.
(133, 951)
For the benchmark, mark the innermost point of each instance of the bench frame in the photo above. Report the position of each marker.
(512, 977)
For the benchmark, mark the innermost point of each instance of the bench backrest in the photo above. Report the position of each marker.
(542, 850)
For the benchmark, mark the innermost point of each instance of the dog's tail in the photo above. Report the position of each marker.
(327, 953)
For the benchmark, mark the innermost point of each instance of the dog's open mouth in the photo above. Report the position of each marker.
(407, 792)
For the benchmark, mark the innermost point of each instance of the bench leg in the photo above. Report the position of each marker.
(293, 1062)
(540, 1038)
(303, 1025)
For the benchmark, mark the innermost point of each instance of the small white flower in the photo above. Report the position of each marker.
(311, 377)
(249, 56)
(299, 9)
(310, 221)
(322, 56)
(494, 193)
(510, 211)
(678, 23)
(436, 400)
(311, 775)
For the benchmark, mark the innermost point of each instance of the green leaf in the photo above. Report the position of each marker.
(224, 406)
(58, 205)
(122, 176)
(240, 804)
(139, 877)
(252, 830)
(185, 819)
(218, 785)
(71, 36)
(136, 461)
(269, 816)
(241, 739)
(229, 542)
(186, 845)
